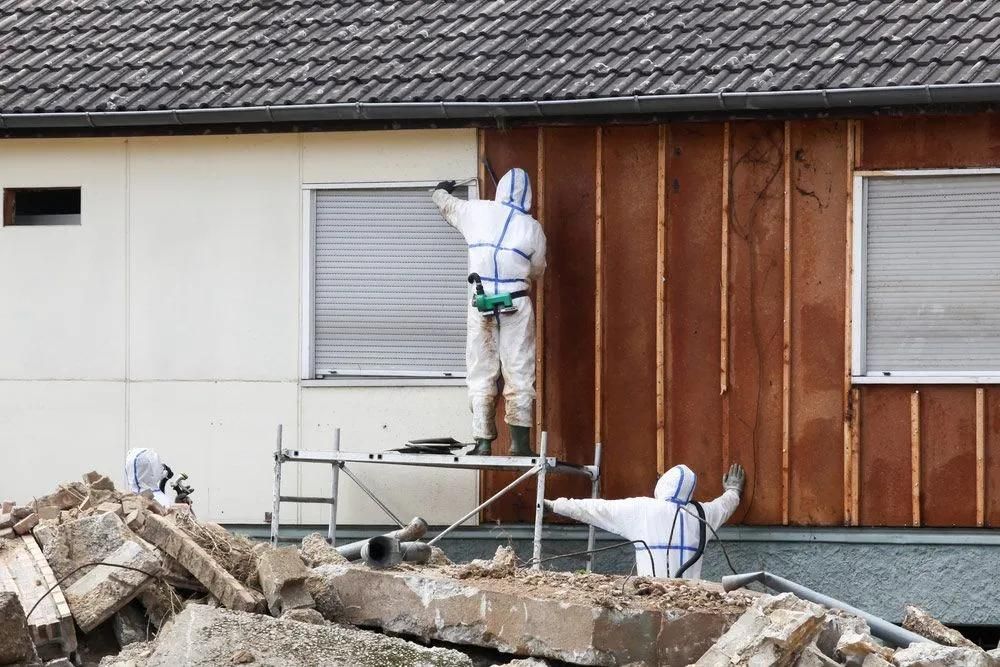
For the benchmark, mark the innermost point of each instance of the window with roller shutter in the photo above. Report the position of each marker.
(389, 285)
(927, 276)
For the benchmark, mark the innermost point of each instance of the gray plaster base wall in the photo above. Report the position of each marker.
(949, 573)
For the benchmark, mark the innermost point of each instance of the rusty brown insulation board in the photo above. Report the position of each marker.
(948, 455)
(885, 456)
(992, 456)
(818, 209)
(931, 142)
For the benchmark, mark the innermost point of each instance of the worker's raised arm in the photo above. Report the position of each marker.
(538, 254)
(451, 207)
(614, 516)
(718, 511)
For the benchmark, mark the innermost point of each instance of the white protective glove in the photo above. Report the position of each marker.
(734, 479)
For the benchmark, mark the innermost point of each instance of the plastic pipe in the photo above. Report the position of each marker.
(881, 628)
(416, 529)
(384, 551)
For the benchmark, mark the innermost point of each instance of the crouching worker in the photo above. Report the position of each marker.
(670, 523)
(146, 475)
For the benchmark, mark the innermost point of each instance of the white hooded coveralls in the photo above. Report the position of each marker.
(507, 250)
(143, 472)
(650, 519)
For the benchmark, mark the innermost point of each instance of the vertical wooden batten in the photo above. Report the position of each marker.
(980, 456)
(540, 298)
(850, 409)
(915, 455)
(786, 358)
(599, 287)
(661, 277)
(724, 291)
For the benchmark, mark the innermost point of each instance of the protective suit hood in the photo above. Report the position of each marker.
(676, 485)
(143, 472)
(514, 190)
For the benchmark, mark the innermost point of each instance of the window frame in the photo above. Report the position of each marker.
(8, 198)
(859, 280)
(307, 261)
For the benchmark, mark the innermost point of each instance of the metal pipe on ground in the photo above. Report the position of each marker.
(416, 529)
(385, 551)
(881, 628)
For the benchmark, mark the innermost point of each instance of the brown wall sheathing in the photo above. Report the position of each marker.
(505, 150)
(694, 247)
(885, 456)
(816, 411)
(629, 310)
(569, 318)
(931, 143)
(948, 456)
(992, 457)
(756, 241)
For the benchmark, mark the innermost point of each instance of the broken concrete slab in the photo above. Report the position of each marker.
(201, 636)
(95, 498)
(66, 496)
(25, 525)
(49, 513)
(545, 622)
(16, 644)
(857, 646)
(774, 631)
(130, 624)
(282, 578)
(172, 540)
(25, 572)
(315, 551)
(102, 483)
(304, 616)
(919, 621)
(935, 655)
(110, 506)
(104, 589)
(873, 660)
(85, 540)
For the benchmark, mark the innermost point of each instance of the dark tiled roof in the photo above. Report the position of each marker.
(114, 55)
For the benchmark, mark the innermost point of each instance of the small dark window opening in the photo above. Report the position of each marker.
(41, 206)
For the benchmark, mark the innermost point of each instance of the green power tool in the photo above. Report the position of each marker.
(501, 302)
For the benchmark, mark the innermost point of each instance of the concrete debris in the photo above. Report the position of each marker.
(25, 525)
(102, 483)
(501, 566)
(857, 646)
(160, 602)
(49, 513)
(315, 551)
(6, 521)
(935, 655)
(130, 625)
(439, 558)
(88, 540)
(304, 616)
(105, 589)
(873, 660)
(133, 655)
(524, 662)
(221, 633)
(919, 621)
(16, 644)
(21, 512)
(774, 631)
(282, 577)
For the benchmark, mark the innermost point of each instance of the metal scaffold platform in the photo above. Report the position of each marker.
(538, 467)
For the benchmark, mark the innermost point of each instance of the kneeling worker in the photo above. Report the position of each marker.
(668, 522)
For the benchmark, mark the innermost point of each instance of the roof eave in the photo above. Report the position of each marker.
(837, 98)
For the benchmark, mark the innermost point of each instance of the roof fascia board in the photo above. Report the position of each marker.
(842, 98)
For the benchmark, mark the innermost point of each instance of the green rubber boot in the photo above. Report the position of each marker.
(520, 441)
(483, 447)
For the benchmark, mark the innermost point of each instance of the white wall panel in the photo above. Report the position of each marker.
(215, 242)
(401, 155)
(54, 432)
(378, 418)
(63, 300)
(223, 435)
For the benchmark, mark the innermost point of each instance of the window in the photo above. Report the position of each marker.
(388, 284)
(927, 276)
(41, 206)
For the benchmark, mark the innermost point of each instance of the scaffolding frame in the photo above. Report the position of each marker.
(538, 467)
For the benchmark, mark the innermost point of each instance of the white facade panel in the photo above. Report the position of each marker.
(63, 300)
(378, 418)
(215, 252)
(54, 432)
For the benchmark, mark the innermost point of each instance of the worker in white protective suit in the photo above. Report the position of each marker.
(145, 472)
(506, 252)
(670, 523)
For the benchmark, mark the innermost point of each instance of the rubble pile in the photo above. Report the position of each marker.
(90, 574)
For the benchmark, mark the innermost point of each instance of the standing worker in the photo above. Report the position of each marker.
(506, 252)
(670, 523)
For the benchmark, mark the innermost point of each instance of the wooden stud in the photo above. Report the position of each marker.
(915, 454)
(786, 358)
(850, 501)
(481, 140)
(855, 456)
(661, 278)
(724, 301)
(599, 288)
(540, 297)
(980, 456)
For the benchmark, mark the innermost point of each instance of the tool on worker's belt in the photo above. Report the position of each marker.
(489, 170)
(490, 304)
(182, 489)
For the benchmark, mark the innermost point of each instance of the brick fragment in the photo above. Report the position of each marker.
(24, 526)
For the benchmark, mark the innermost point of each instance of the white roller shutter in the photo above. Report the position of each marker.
(390, 285)
(932, 261)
